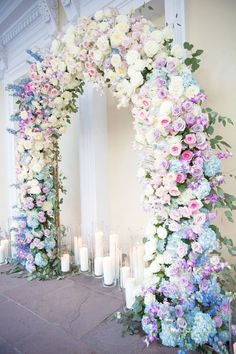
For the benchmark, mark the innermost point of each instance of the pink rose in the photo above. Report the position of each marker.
(54, 92)
(199, 218)
(146, 102)
(175, 150)
(194, 205)
(174, 192)
(165, 121)
(190, 139)
(175, 214)
(187, 155)
(185, 212)
(180, 177)
(92, 71)
(174, 226)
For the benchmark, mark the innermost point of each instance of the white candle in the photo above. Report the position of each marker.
(130, 292)
(77, 245)
(83, 253)
(65, 262)
(99, 244)
(98, 269)
(138, 262)
(5, 243)
(2, 254)
(108, 270)
(113, 251)
(124, 274)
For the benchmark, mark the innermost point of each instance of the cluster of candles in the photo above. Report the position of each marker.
(113, 267)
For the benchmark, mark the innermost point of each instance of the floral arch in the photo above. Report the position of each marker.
(182, 302)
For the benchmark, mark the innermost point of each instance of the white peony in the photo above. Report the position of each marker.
(176, 87)
(177, 51)
(35, 190)
(166, 108)
(99, 15)
(24, 115)
(116, 60)
(136, 79)
(155, 266)
(149, 299)
(161, 232)
(117, 38)
(191, 91)
(150, 48)
(103, 43)
(157, 36)
(47, 206)
(132, 56)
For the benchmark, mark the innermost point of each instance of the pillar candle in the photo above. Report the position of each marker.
(113, 251)
(77, 245)
(98, 271)
(83, 259)
(2, 254)
(5, 243)
(65, 262)
(130, 292)
(99, 244)
(108, 270)
(124, 274)
(138, 263)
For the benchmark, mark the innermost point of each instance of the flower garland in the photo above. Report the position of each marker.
(184, 305)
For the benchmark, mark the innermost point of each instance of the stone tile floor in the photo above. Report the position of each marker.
(68, 316)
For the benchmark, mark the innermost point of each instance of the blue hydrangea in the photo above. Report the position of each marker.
(41, 259)
(161, 245)
(32, 222)
(175, 166)
(188, 79)
(212, 166)
(169, 335)
(50, 243)
(203, 328)
(208, 240)
(203, 190)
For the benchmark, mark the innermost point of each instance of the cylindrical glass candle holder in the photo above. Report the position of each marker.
(109, 278)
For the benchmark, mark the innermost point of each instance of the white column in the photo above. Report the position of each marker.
(175, 17)
(93, 159)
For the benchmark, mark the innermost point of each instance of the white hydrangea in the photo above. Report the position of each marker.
(176, 87)
(150, 48)
(132, 56)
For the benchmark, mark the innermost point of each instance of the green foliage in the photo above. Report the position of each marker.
(131, 319)
(193, 60)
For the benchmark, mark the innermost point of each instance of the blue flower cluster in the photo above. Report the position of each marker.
(203, 328)
(41, 259)
(203, 190)
(212, 167)
(208, 240)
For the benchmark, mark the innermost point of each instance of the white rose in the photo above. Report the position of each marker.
(99, 15)
(38, 146)
(139, 65)
(149, 298)
(103, 26)
(62, 66)
(47, 206)
(167, 33)
(176, 87)
(122, 18)
(132, 56)
(27, 144)
(151, 230)
(149, 190)
(36, 167)
(98, 55)
(161, 232)
(55, 46)
(136, 79)
(151, 48)
(155, 266)
(116, 38)
(24, 115)
(103, 43)
(191, 91)
(177, 51)
(166, 108)
(58, 102)
(157, 35)
(116, 60)
(150, 247)
(122, 26)
(35, 190)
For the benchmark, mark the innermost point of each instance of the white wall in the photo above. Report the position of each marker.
(211, 26)
(4, 187)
